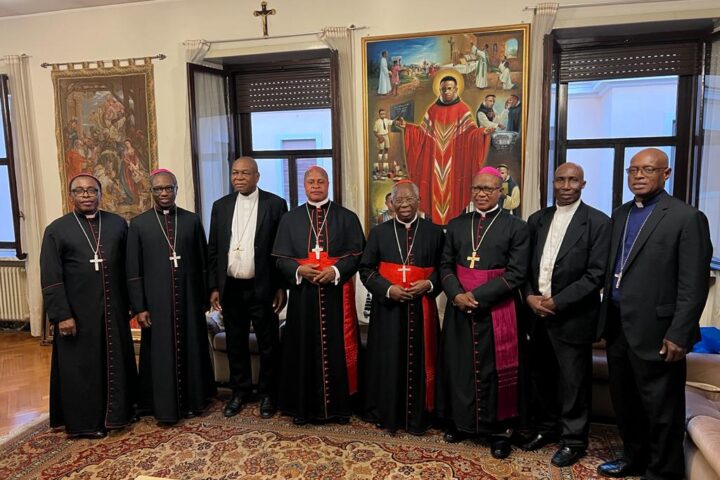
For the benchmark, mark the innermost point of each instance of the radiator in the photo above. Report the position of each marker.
(13, 294)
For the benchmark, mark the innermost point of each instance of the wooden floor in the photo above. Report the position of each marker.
(24, 379)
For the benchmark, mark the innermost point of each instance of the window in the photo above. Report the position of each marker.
(616, 91)
(9, 212)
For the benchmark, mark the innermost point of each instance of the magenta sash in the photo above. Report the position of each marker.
(506, 340)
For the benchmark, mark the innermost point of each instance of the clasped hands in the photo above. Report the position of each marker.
(318, 277)
(541, 306)
(403, 294)
(465, 302)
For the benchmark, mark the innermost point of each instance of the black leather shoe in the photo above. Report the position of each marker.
(454, 436)
(567, 456)
(539, 441)
(233, 406)
(500, 448)
(342, 420)
(300, 421)
(96, 435)
(191, 414)
(267, 407)
(619, 468)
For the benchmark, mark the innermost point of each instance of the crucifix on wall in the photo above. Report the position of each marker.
(264, 12)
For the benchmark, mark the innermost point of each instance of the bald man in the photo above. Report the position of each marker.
(244, 282)
(655, 291)
(569, 243)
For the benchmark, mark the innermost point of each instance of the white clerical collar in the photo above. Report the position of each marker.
(165, 211)
(568, 208)
(318, 204)
(250, 196)
(485, 213)
(408, 224)
(91, 216)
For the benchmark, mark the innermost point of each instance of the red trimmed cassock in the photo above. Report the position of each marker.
(176, 375)
(320, 338)
(442, 155)
(478, 367)
(93, 374)
(402, 340)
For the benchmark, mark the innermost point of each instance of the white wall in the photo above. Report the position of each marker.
(161, 26)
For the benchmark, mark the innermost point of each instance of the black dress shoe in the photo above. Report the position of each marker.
(454, 436)
(191, 414)
(96, 435)
(539, 441)
(233, 406)
(267, 407)
(300, 421)
(500, 448)
(342, 420)
(619, 468)
(567, 456)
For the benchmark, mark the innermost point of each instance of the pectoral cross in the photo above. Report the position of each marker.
(264, 12)
(404, 270)
(97, 261)
(473, 258)
(317, 251)
(175, 257)
(619, 277)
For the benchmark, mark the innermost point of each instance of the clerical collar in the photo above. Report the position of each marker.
(440, 101)
(90, 216)
(568, 208)
(250, 196)
(488, 212)
(649, 201)
(408, 224)
(318, 204)
(165, 211)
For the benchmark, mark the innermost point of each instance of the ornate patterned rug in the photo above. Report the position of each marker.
(211, 447)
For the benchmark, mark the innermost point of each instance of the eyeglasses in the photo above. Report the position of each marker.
(90, 191)
(645, 170)
(165, 188)
(402, 200)
(486, 189)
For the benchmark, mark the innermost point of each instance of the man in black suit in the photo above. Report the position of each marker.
(570, 245)
(245, 284)
(655, 292)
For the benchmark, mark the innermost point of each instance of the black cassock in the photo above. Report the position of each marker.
(320, 343)
(93, 378)
(175, 370)
(468, 378)
(401, 355)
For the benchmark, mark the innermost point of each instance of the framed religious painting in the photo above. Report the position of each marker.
(105, 125)
(439, 106)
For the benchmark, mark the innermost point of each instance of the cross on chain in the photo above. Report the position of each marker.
(473, 258)
(97, 261)
(264, 12)
(619, 277)
(404, 269)
(175, 257)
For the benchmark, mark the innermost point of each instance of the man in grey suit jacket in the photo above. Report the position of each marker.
(244, 282)
(570, 243)
(655, 291)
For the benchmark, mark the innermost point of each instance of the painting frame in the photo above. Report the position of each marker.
(106, 125)
(412, 96)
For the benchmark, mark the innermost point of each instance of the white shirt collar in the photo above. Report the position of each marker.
(250, 196)
(485, 213)
(568, 208)
(318, 204)
(407, 224)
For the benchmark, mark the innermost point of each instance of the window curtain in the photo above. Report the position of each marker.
(342, 40)
(542, 24)
(27, 168)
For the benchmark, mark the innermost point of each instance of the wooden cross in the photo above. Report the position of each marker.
(404, 269)
(264, 12)
(175, 257)
(97, 261)
(317, 251)
(473, 258)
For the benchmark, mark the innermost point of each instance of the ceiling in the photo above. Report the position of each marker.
(11, 8)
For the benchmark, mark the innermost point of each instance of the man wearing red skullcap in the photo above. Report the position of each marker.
(82, 268)
(483, 265)
(167, 283)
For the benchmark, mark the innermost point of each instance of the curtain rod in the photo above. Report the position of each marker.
(22, 55)
(602, 4)
(159, 56)
(272, 37)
